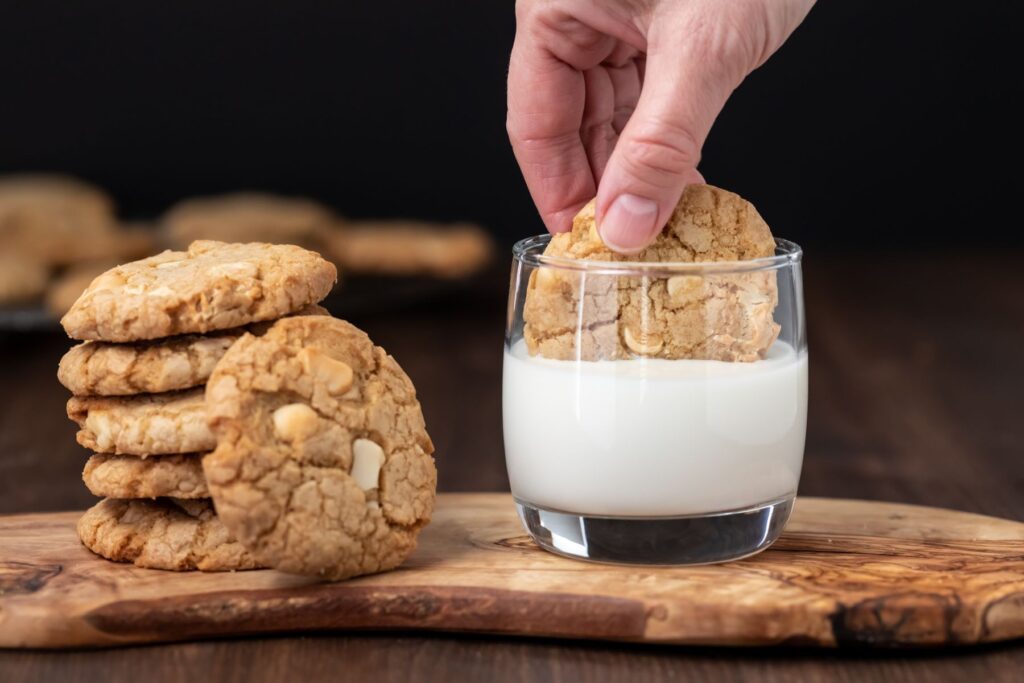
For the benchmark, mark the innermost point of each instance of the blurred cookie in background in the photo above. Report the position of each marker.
(248, 217)
(410, 248)
(22, 276)
(126, 242)
(54, 218)
(64, 289)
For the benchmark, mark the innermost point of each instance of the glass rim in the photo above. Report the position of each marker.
(529, 251)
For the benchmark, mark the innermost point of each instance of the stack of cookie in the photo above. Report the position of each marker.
(153, 332)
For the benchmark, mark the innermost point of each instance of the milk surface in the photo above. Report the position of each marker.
(653, 437)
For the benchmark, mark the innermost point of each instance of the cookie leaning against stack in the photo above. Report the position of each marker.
(323, 463)
(153, 331)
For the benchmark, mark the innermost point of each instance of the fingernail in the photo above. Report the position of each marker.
(629, 224)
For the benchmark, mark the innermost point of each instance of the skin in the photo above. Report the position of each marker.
(615, 98)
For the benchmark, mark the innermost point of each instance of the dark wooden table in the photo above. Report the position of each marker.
(916, 376)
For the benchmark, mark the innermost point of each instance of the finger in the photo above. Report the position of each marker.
(546, 103)
(612, 93)
(597, 132)
(545, 109)
(659, 148)
(626, 81)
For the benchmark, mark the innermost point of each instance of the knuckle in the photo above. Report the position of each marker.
(669, 151)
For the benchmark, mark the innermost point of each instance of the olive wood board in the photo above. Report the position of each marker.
(844, 572)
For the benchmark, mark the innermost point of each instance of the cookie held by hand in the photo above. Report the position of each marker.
(323, 463)
(711, 315)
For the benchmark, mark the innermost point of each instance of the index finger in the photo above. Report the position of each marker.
(546, 98)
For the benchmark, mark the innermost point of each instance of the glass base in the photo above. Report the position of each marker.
(690, 539)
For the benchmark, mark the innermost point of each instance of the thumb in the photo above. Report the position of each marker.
(657, 153)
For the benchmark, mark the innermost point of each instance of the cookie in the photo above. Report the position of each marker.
(150, 424)
(162, 534)
(248, 217)
(64, 290)
(151, 367)
(99, 256)
(411, 248)
(212, 286)
(128, 476)
(22, 277)
(594, 316)
(323, 463)
(55, 219)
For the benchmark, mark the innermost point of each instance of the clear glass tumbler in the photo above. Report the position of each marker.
(654, 413)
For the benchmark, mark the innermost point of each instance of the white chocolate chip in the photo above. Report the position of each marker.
(108, 280)
(644, 345)
(170, 264)
(102, 428)
(162, 291)
(547, 279)
(367, 459)
(683, 286)
(373, 505)
(238, 269)
(335, 374)
(295, 421)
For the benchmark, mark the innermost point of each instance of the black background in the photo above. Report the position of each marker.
(891, 123)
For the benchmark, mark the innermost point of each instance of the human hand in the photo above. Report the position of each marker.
(616, 97)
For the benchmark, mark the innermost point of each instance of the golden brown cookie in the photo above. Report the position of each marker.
(570, 314)
(212, 286)
(162, 534)
(323, 464)
(248, 217)
(54, 218)
(22, 276)
(64, 290)
(129, 476)
(412, 248)
(151, 367)
(149, 424)
(96, 258)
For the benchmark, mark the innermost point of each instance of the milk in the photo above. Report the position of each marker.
(653, 437)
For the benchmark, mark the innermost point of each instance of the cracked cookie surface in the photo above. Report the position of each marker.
(323, 463)
(110, 369)
(212, 286)
(592, 316)
(158, 476)
(148, 424)
(162, 534)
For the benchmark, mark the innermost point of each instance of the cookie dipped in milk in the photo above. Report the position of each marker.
(655, 403)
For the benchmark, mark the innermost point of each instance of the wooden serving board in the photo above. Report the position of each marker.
(844, 572)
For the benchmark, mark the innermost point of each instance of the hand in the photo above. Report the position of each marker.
(616, 97)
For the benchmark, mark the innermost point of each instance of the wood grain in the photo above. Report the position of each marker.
(915, 396)
(844, 572)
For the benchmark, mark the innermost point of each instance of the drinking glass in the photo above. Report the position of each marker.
(654, 413)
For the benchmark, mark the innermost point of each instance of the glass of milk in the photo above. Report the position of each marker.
(616, 453)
